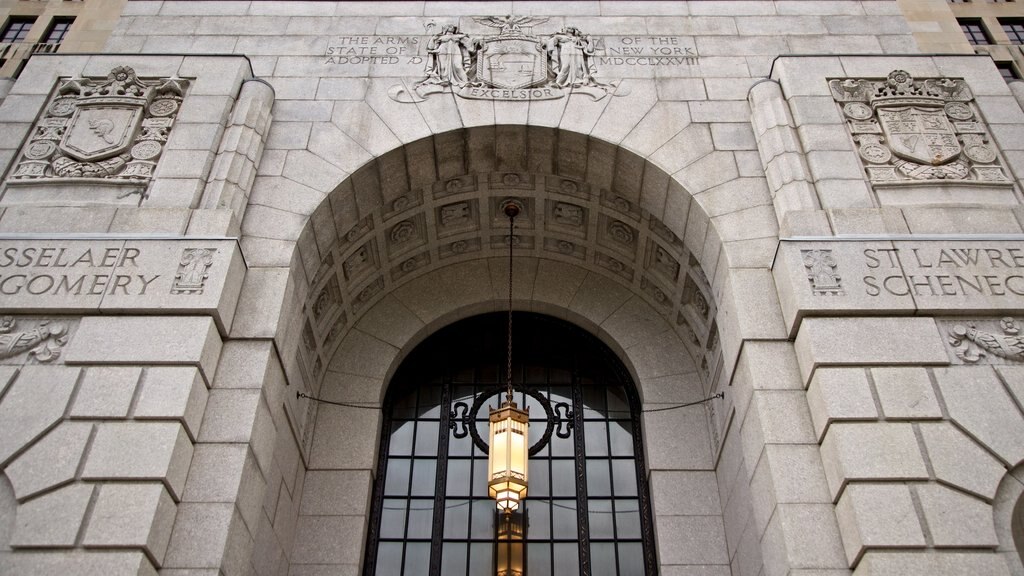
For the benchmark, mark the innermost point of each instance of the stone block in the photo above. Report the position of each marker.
(106, 392)
(906, 393)
(230, 415)
(868, 341)
(978, 402)
(344, 439)
(336, 493)
(877, 516)
(958, 461)
(837, 394)
(158, 451)
(802, 536)
(78, 562)
(685, 493)
(53, 519)
(173, 393)
(954, 519)
(691, 539)
(328, 539)
(33, 404)
(147, 340)
(132, 515)
(876, 451)
(51, 461)
(200, 535)
(931, 563)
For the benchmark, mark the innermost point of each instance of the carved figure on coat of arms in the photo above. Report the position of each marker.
(44, 342)
(912, 130)
(515, 64)
(112, 129)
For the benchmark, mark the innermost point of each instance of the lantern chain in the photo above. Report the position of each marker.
(511, 211)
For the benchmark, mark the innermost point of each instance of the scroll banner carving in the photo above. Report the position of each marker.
(110, 131)
(912, 130)
(992, 341)
(82, 276)
(515, 64)
(899, 277)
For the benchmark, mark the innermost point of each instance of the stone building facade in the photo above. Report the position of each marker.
(236, 206)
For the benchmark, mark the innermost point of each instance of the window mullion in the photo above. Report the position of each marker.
(579, 441)
(441, 479)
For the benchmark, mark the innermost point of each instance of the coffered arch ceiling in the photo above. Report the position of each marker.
(433, 205)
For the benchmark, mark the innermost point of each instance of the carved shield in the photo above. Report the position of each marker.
(919, 134)
(97, 132)
(512, 63)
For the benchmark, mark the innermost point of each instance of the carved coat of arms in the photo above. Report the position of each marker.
(911, 130)
(515, 64)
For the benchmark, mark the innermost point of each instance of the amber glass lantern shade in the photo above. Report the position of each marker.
(507, 458)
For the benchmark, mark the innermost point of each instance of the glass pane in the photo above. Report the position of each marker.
(563, 514)
(627, 518)
(621, 437)
(458, 478)
(423, 477)
(540, 487)
(602, 558)
(593, 402)
(563, 478)
(392, 519)
(560, 394)
(596, 439)
(397, 478)
(456, 518)
(417, 559)
(483, 519)
(631, 559)
(430, 402)
(538, 559)
(567, 560)
(460, 446)
(601, 521)
(480, 477)
(405, 407)
(618, 406)
(481, 558)
(562, 446)
(426, 438)
(389, 558)
(598, 478)
(624, 476)
(401, 438)
(536, 375)
(453, 558)
(539, 520)
(421, 517)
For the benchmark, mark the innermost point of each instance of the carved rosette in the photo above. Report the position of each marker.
(111, 129)
(911, 130)
(988, 341)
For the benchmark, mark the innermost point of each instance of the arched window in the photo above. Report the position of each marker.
(587, 511)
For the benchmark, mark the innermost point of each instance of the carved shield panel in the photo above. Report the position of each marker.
(512, 63)
(97, 132)
(919, 134)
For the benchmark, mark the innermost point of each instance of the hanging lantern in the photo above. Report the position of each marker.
(507, 458)
(510, 446)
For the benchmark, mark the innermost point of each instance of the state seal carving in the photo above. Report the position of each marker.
(911, 130)
(515, 64)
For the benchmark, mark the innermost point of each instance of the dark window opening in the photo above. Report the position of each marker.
(1014, 28)
(1007, 70)
(974, 31)
(58, 30)
(17, 29)
(588, 508)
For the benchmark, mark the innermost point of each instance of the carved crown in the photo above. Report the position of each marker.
(900, 89)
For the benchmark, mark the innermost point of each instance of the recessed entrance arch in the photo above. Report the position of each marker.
(415, 241)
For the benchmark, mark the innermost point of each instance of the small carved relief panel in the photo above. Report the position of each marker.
(111, 129)
(985, 341)
(909, 130)
(32, 340)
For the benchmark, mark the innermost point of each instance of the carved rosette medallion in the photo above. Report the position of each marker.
(192, 270)
(995, 341)
(43, 342)
(111, 129)
(822, 272)
(515, 64)
(911, 130)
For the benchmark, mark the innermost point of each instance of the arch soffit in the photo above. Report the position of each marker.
(590, 206)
